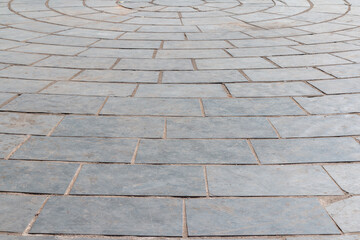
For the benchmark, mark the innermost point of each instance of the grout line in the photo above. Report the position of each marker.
(298, 104)
(202, 108)
(71, 184)
(161, 73)
(309, 84)
(17, 147)
(102, 106)
(276, 131)
(135, 151)
(53, 129)
(206, 182)
(226, 90)
(272, 62)
(29, 226)
(345, 192)
(253, 151)
(115, 63)
(9, 100)
(135, 89)
(185, 233)
(154, 53)
(76, 74)
(245, 75)
(193, 62)
(165, 129)
(47, 86)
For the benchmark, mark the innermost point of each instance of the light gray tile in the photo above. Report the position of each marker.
(262, 51)
(195, 44)
(117, 53)
(153, 36)
(19, 58)
(266, 42)
(155, 64)
(21, 86)
(50, 49)
(351, 85)
(191, 53)
(341, 237)
(77, 62)
(307, 60)
(343, 71)
(9, 143)
(233, 63)
(118, 76)
(127, 44)
(64, 40)
(29, 72)
(347, 176)
(212, 76)
(4, 97)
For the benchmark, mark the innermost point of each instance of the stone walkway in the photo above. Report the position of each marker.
(221, 119)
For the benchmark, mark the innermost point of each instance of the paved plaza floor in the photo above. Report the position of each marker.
(169, 119)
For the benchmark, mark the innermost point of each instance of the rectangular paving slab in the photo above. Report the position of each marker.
(21, 86)
(233, 63)
(93, 126)
(310, 150)
(317, 126)
(154, 64)
(111, 216)
(253, 216)
(224, 127)
(22, 123)
(307, 60)
(343, 237)
(212, 76)
(253, 107)
(76, 149)
(117, 76)
(346, 175)
(140, 180)
(152, 107)
(19, 58)
(77, 62)
(17, 211)
(41, 73)
(351, 85)
(343, 71)
(55, 104)
(269, 181)
(187, 151)
(9, 143)
(35, 177)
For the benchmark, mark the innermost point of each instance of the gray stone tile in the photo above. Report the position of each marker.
(77, 62)
(251, 107)
(346, 214)
(331, 104)
(16, 211)
(118, 76)
(307, 60)
(19, 58)
(90, 33)
(192, 53)
(91, 89)
(266, 42)
(140, 180)
(77, 149)
(346, 175)
(271, 89)
(152, 107)
(93, 126)
(117, 53)
(211, 76)
(21, 123)
(351, 85)
(233, 63)
(195, 152)
(4, 97)
(18, 34)
(195, 44)
(224, 127)
(253, 216)
(180, 90)
(270, 181)
(320, 38)
(64, 40)
(8, 143)
(35, 177)
(155, 64)
(350, 55)
(342, 237)
(40, 73)
(327, 47)
(50, 49)
(262, 51)
(317, 126)
(21, 86)
(152, 36)
(286, 74)
(111, 216)
(127, 44)
(216, 35)
(39, 103)
(343, 71)
(307, 150)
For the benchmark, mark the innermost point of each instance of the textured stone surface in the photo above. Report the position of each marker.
(346, 176)
(9, 143)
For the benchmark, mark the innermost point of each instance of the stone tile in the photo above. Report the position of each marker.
(127, 44)
(321, 38)
(326, 47)
(77, 62)
(117, 53)
(271, 89)
(93, 126)
(90, 89)
(252, 216)
(154, 21)
(50, 49)
(346, 214)
(17, 211)
(346, 175)
(331, 104)
(64, 40)
(90, 33)
(8, 143)
(77, 149)
(343, 71)
(40, 73)
(140, 180)
(317, 126)
(111, 216)
(286, 74)
(262, 51)
(266, 42)
(216, 35)
(19, 58)
(152, 107)
(167, 29)
(21, 123)
(307, 60)
(229, 127)
(195, 44)
(192, 53)
(248, 107)
(233, 63)
(180, 90)
(335, 86)
(152, 36)
(307, 150)
(21, 86)
(16, 237)
(39, 103)
(350, 55)
(118, 76)
(35, 177)
(194, 152)
(155, 64)
(18, 34)
(212, 76)
(269, 181)
(5, 44)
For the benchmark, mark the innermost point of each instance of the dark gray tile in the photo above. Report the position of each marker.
(35, 177)
(100, 126)
(310, 150)
(9, 143)
(140, 180)
(111, 216)
(77, 149)
(16, 211)
(195, 152)
(257, 216)
(224, 127)
(270, 181)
